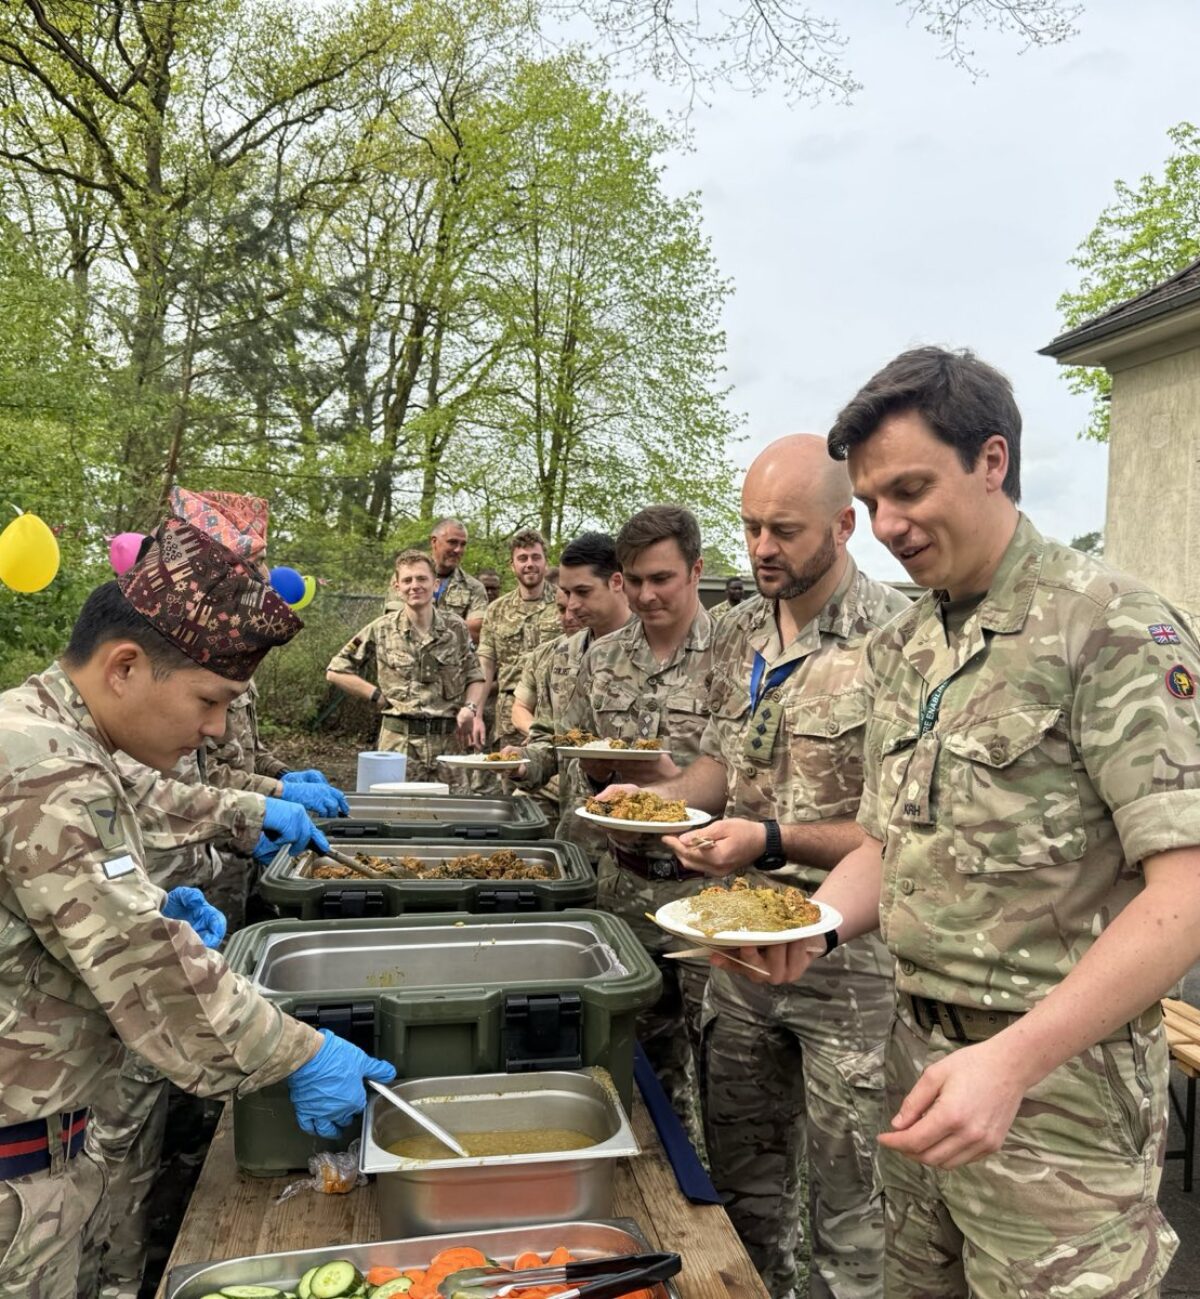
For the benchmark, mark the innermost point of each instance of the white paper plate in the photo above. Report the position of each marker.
(477, 762)
(674, 918)
(695, 818)
(602, 753)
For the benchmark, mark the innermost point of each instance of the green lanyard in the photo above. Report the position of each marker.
(930, 708)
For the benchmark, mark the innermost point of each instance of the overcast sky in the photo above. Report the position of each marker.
(933, 210)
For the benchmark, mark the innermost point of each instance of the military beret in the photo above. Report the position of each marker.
(238, 522)
(207, 601)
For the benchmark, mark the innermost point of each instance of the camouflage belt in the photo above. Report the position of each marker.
(419, 725)
(975, 1024)
(25, 1147)
(654, 869)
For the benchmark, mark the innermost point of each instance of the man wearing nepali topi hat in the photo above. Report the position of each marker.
(95, 960)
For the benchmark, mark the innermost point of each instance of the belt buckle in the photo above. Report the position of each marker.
(949, 1022)
(662, 870)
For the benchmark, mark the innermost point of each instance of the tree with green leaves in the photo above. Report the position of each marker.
(1150, 231)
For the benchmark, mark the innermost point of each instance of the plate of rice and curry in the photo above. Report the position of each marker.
(584, 744)
(745, 916)
(643, 812)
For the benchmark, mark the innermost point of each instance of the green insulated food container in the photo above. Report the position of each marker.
(445, 995)
(435, 816)
(291, 887)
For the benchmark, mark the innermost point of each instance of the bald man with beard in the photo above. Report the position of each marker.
(796, 1067)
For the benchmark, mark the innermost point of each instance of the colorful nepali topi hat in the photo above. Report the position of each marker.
(238, 522)
(207, 601)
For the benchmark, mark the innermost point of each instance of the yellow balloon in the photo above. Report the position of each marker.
(310, 589)
(28, 554)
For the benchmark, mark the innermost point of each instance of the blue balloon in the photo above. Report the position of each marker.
(287, 584)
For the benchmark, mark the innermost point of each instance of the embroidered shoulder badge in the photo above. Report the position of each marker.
(1181, 683)
(1163, 633)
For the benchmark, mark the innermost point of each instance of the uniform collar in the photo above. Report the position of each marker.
(838, 617)
(697, 641)
(62, 689)
(1004, 609)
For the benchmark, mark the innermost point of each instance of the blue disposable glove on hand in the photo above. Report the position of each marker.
(328, 1091)
(288, 823)
(322, 799)
(309, 776)
(190, 905)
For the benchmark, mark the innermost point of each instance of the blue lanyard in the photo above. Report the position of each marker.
(441, 591)
(931, 707)
(776, 677)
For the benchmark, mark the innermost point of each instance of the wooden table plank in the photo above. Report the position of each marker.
(232, 1215)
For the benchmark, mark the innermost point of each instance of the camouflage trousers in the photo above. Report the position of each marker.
(422, 752)
(45, 1219)
(793, 1083)
(670, 1030)
(1066, 1207)
(129, 1124)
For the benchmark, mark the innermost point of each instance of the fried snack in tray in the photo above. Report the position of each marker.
(502, 865)
(644, 805)
(743, 907)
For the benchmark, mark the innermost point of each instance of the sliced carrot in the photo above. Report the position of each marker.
(560, 1256)
(415, 1275)
(458, 1257)
(526, 1260)
(378, 1275)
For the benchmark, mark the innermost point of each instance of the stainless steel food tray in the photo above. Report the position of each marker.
(589, 1239)
(313, 959)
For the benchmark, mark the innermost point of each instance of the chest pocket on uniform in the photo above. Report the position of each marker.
(825, 736)
(451, 670)
(617, 714)
(1014, 796)
(685, 720)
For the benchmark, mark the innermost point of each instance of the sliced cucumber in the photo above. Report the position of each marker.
(251, 1292)
(334, 1280)
(392, 1289)
(304, 1288)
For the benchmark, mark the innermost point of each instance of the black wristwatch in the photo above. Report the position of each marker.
(831, 941)
(376, 695)
(772, 858)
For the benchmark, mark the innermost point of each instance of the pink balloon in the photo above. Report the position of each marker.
(123, 550)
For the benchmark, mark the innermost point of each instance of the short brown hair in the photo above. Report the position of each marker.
(963, 400)
(405, 558)
(526, 539)
(659, 523)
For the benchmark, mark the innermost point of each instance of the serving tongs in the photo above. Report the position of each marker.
(352, 863)
(595, 1278)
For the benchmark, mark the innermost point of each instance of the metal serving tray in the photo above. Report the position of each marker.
(312, 959)
(465, 1194)
(584, 1239)
(383, 816)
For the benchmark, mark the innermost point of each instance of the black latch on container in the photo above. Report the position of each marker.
(340, 904)
(476, 832)
(355, 1020)
(506, 900)
(357, 829)
(543, 1031)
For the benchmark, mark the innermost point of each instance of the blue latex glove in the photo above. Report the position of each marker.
(322, 799)
(287, 822)
(328, 1091)
(309, 776)
(191, 906)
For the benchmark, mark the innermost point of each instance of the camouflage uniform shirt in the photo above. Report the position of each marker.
(512, 627)
(241, 748)
(799, 755)
(1020, 768)
(420, 676)
(88, 965)
(464, 595)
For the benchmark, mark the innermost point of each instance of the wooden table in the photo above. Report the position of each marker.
(1182, 1023)
(232, 1215)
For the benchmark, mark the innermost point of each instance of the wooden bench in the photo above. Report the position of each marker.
(1183, 1035)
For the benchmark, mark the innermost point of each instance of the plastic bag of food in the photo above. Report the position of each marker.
(333, 1173)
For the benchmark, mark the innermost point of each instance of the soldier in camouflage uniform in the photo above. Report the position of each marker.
(533, 693)
(592, 592)
(1032, 808)
(90, 966)
(431, 687)
(651, 680)
(799, 1068)
(514, 625)
(454, 591)
(735, 595)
